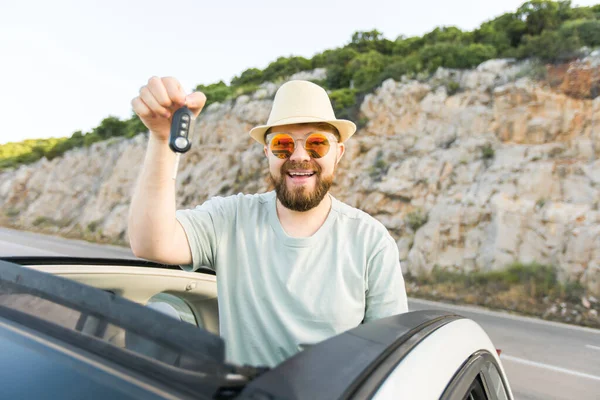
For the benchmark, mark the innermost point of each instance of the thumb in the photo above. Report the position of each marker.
(195, 102)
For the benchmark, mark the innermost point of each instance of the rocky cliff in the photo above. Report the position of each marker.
(469, 170)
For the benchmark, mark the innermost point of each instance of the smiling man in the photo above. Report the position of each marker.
(294, 266)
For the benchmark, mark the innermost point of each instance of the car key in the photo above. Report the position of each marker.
(181, 124)
(179, 140)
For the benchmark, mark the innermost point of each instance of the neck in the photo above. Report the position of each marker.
(304, 223)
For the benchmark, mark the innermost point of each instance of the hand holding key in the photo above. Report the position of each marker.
(159, 100)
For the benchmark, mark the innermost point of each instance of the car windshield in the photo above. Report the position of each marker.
(121, 331)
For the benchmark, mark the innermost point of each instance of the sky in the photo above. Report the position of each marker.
(66, 65)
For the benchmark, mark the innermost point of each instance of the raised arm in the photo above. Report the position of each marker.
(154, 232)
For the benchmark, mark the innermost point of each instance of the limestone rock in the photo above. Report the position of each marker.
(504, 170)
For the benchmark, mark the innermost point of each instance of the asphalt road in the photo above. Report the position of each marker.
(19, 243)
(543, 360)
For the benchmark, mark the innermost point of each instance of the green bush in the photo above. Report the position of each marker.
(249, 76)
(487, 152)
(402, 66)
(39, 221)
(367, 41)
(336, 57)
(92, 226)
(406, 46)
(587, 31)
(284, 67)
(449, 34)
(215, 93)
(540, 280)
(134, 126)
(110, 127)
(551, 46)
(338, 77)
(452, 87)
(450, 55)
(12, 212)
(366, 68)
(488, 35)
(342, 99)
(416, 219)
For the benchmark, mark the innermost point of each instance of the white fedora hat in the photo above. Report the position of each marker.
(298, 102)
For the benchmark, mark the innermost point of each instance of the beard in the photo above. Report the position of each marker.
(300, 198)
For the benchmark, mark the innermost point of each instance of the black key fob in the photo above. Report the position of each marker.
(181, 126)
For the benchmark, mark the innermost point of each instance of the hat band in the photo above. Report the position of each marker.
(299, 116)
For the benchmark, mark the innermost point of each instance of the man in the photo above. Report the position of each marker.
(294, 266)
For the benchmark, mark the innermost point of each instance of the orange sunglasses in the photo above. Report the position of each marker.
(316, 144)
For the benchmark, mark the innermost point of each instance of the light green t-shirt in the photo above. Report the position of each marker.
(279, 293)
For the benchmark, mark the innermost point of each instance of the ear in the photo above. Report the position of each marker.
(341, 149)
(266, 151)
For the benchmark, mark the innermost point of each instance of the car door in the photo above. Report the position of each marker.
(356, 363)
(478, 379)
(455, 361)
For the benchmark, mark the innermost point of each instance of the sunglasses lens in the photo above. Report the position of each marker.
(317, 145)
(282, 145)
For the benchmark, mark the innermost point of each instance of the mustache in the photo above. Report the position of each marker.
(304, 165)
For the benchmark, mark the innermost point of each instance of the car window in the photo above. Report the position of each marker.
(476, 391)
(16, 299)
(495, 383)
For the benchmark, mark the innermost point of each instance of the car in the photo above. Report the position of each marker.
(73, 328)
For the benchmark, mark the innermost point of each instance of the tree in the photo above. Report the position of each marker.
(366, 67)
(540, 15)
(283, 67)
(215, 92)
(455, 55)
(338, 77)
(488, 35)
(449, 34)
(365, 41)
(405, 46)
(551, 46)
(588, 31)
(134, 126)
(339, 57)
(400, 67)
(512, 25)
(110, 127)
(249, 76)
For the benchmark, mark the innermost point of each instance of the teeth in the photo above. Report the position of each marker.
(301, 173)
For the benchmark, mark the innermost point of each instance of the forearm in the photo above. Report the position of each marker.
(152, 211)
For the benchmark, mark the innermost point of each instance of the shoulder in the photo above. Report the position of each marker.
(361, 224)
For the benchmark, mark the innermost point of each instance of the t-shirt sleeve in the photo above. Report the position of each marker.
(204, 226)
(386, 292)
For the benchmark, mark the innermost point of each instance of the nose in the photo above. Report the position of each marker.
(299, 153)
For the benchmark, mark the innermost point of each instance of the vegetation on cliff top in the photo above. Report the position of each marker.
(550, 31)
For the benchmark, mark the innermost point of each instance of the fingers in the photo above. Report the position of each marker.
(195, 102)
(140, 108)
(162, 96)
(174, 91)
(159, 92)
(152, 102)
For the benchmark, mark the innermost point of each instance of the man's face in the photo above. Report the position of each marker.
(295, 189)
